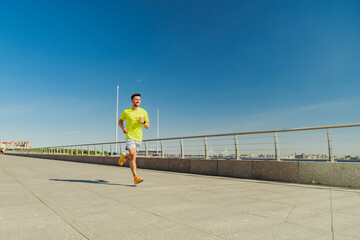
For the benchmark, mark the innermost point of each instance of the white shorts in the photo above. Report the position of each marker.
(132, 144)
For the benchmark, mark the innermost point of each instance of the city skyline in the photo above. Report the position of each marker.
(210, 68)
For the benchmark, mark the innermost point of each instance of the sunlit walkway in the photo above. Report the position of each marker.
(48, 199)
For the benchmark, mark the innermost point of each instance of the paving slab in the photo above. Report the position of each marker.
(50, 199)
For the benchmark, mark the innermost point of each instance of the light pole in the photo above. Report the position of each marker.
(157, 133)
(117, 118)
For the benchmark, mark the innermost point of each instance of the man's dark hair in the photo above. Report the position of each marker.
(135, 95)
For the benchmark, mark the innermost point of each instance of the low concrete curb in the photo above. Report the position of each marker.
(237, 169)
(324, 173)
(333, 174)
(277, 171)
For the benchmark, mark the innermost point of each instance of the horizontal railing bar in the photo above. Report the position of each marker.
(258, 132)
(223, 135)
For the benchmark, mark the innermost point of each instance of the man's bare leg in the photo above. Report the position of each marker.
(132, 157)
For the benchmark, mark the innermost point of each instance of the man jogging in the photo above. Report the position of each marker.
(135, 118)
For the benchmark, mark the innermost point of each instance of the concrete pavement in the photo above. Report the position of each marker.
(49, 199)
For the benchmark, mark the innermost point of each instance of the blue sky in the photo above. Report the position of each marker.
(209, 66)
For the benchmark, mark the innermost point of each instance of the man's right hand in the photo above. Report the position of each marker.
(125, 131)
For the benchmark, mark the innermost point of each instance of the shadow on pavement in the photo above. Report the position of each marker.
(90, 181)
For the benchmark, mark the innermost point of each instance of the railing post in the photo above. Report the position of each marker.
(120, 148)
(182, 148)
(95, 150)
(206, 148)
(111, 149)
(82, 150)
(237, 152)
(146, 150)
(162, 149)
(329, 137)
(276, 142)
(88, 147)
(102, 149)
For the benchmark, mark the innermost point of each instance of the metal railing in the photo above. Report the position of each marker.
(203, 150)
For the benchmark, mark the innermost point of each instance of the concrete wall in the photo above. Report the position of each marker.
(324, 173)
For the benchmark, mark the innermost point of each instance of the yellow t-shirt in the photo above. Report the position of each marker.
(133, 124)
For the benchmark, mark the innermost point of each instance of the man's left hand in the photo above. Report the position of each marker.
(141, 120)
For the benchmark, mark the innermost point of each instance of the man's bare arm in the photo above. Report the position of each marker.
(121, 124)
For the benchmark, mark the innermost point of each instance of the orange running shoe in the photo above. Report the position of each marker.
(122, 159)
(138, 180)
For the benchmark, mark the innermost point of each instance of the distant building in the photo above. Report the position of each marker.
(13, 144)
(303, 156)
(251, 155)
